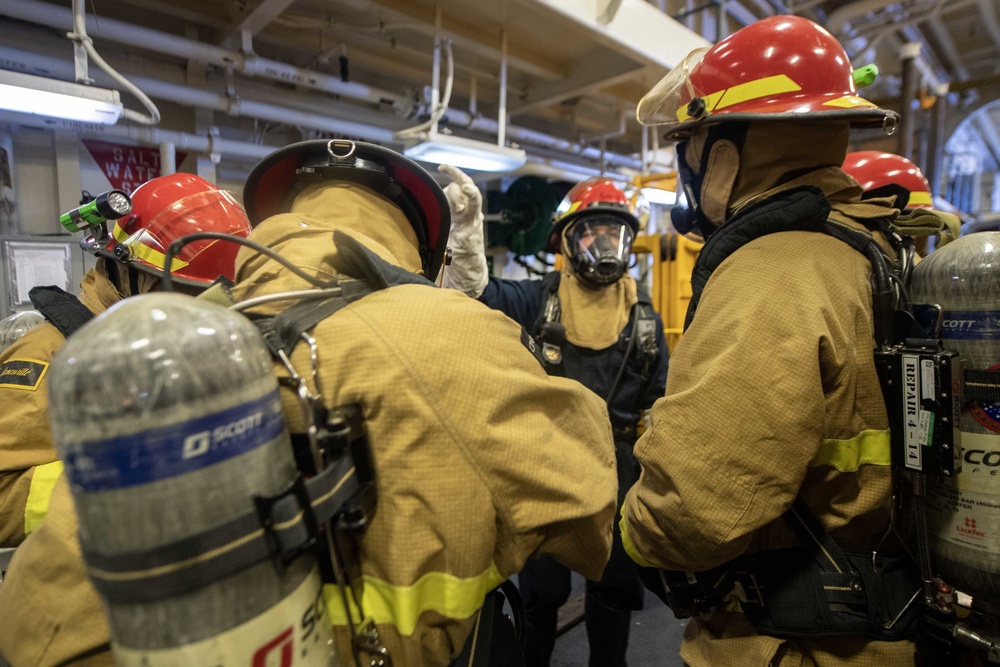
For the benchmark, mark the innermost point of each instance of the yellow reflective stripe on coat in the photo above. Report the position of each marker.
(43, 480)
(144, 252)
(627, 542)
(866, 448)
(919, 199)
(401, 606)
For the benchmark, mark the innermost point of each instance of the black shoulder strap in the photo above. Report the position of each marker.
(371, 274)
(550, 289)
(61, 308)
(804, 208)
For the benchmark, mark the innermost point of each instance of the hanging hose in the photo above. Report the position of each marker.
(80, 35)
(442, 106)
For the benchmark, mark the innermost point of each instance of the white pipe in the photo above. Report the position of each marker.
(251, 65)
(196, 97)
(168, 158)
(35, 63)
(149, 136)
(502, 114)
(80, 37)
(436, 69)
(839, 17)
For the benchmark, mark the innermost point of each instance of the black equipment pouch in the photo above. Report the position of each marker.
(787, 594)
(820, 590)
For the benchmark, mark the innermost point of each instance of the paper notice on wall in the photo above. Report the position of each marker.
(36, 264)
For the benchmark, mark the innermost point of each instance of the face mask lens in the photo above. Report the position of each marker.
(601, 248)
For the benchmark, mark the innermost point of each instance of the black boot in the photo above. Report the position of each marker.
(607, 633)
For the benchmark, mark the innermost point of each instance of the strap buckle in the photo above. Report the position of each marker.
(264, 506)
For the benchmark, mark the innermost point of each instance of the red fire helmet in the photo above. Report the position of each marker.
(779, 68)
(169, 207)
(875, 169)
(596, 195)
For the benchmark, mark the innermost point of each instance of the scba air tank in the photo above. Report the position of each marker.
(963, 512)
(166, 412)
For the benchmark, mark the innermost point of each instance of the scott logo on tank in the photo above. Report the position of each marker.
(199, 443)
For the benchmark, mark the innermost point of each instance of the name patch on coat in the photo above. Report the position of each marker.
(24, 374)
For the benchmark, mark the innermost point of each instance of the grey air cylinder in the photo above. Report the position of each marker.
(166, 412)
(963, 512)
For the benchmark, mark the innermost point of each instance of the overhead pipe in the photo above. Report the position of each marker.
(150, 136)
(907, 94)
(283, 114)
(168, 158)
(522, 136)
(234, 106)
(935, 154)
(502, 113)
(248, 64)
(329, 109)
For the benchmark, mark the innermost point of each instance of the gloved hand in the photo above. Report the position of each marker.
(467, 271)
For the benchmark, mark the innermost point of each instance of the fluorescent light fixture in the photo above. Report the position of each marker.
(48, 97)
(658, 196)
(658, 188)
(464, 153)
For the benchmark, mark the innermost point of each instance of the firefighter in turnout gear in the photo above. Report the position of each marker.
(60, 618)
(477, 453)
(889, 175)
(594, 324)
(771, 445)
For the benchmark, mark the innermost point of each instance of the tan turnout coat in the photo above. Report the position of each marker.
(772, 394)
(482, 459)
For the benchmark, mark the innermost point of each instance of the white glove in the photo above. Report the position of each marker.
(467, 271)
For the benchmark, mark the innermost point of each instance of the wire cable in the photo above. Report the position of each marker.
(438, 113)
(80, 35)
(177, 245)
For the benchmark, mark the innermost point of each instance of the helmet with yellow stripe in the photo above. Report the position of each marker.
(779, 68)
(169, 207)
(887, 174)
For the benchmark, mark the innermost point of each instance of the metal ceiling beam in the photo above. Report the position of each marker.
(397, 59)
(984, 124)
(638, 30)
(595, 72)
(256, 18)
(988, 16)
(171, 9)
(249, 65)
(462, 36)
(948, 49)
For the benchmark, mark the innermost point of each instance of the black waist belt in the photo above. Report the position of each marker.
(821, 590)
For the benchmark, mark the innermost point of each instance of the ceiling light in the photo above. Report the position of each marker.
(48, 97)
(661, 197)
(464, 153)
(658, 188)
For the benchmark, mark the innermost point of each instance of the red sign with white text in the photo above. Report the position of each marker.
(127, 167)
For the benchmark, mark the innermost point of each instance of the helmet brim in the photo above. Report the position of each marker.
(271, 186)
(859, 117)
